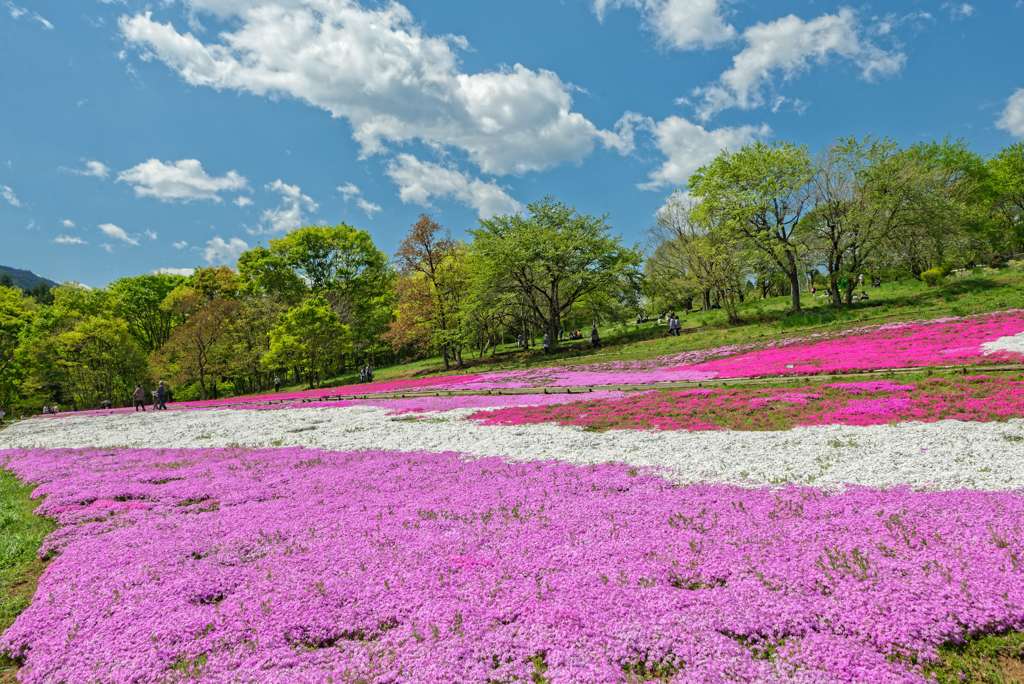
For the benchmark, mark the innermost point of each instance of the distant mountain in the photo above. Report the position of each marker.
(26, 280)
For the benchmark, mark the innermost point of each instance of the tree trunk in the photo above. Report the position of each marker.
(202, 385)
(794, 282)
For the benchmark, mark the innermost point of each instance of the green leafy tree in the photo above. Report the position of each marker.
(16, 315)
(1006, 170)
(759, 196)
(553, 258)
(310, 338)
(137, 300)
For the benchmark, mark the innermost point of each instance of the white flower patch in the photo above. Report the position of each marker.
(943, 455)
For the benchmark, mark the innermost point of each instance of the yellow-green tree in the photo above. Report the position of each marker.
(310, 339)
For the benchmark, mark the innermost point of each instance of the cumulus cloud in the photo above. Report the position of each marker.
(9, 195)
(689, 146)
(19, 12)
(288, 215)
(220, 252)
(92, 168)
(175, 271)
(376, 68)
(182, 181)
(681, 24)
(350, 191)
(117, 233)
(243, 201)
(1012, 119)
(67, 223)
(419, 181)
(69, 240)
(789, 45)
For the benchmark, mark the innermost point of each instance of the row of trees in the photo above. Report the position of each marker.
(314, 304)
(772, 212)
(322, 300)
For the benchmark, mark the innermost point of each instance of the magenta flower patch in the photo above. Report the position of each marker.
(296, 565)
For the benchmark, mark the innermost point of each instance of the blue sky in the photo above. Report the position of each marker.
(136, 137)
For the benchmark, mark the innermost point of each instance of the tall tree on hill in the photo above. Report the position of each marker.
(554, 258)
(137, 300)
(431, 285)
(759, 196)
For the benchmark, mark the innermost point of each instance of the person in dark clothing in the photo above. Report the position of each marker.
(277, 383)
(161, 396)
(595, 340)
(547, 344)
(139, 396)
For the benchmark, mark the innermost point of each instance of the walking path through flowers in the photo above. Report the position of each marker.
(825, 532)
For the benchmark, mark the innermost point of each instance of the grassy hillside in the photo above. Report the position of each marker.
(981, 291)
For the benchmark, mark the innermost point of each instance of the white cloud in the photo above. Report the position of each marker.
(958, 10)
(18, 12)
(175, 271)
(9, 195)
(349, 191)
(183, 180)
(67, 223)
(419, 181)
(288, 215)
(150, 234)
(32, 225)
(69, 240)
(219, 252)
(682, 24)
(243, 201)
(180, 245)
(369, 207)
(107, 247)
(112, 231)
(376, 68)
(689, 146)
(92, 168)
(789, 45)
(1012, 120)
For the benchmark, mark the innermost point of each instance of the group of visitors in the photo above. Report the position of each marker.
(159, 397)
(51, 409)
(366, 373)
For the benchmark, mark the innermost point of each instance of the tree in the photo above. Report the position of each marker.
(308, 337)
(554, 258)
(431, 284)
(190, 354)
(758, 195)
(860, 193)
(137, 300)
(339, 263)
(1006, 169)
(16, 315)
(5, 281)
(698, 255)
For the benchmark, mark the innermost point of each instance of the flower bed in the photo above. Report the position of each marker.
(978, 398)
(300, 566)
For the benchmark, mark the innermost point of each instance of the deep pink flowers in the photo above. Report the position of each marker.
(864, 403)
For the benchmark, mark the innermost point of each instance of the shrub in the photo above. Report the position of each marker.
(933, 277)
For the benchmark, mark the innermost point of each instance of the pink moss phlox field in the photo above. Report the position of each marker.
(294, 565)
(978, 398)
(942, 342)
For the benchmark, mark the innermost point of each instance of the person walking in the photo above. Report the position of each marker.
(277, 383)
(369, 373)
(139, 397)
(362, 374)
(547, 344)
(161, 396)
(595, 340)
